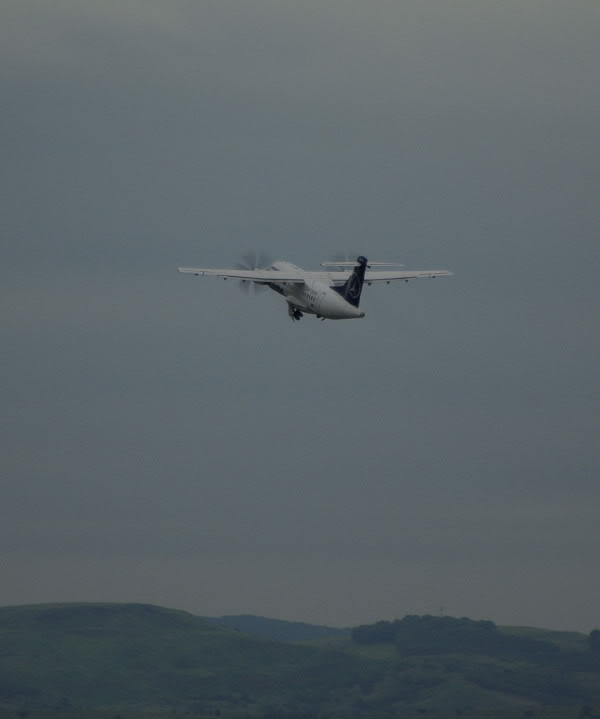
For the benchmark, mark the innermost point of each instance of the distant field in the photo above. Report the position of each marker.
(569, 641)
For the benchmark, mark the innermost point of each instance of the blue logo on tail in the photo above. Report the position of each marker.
(352, 289)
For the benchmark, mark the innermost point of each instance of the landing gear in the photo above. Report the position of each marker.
(295, 313)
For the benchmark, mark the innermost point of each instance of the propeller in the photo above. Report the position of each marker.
(253, 261)
(348, 259)
(344, 257)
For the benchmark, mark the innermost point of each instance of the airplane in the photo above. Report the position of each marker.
(332, 294)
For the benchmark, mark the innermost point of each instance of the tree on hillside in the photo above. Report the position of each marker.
(430, 634)
(594, 641)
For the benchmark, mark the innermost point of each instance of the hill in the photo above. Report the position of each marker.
(278, 630)
(122, 658)
(134, 655)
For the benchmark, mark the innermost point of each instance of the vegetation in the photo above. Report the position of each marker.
(442, 635)
(278, 629)
(130, 661)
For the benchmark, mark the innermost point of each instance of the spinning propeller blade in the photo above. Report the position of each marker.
(253, 261)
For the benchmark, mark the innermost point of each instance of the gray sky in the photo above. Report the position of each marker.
(167, 440)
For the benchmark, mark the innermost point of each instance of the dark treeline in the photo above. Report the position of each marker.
(448, 635)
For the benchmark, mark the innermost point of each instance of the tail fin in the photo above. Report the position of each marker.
(353, 287)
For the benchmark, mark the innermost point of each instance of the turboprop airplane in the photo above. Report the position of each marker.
(332, 294)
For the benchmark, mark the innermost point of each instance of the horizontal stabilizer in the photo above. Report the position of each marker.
(353, 264)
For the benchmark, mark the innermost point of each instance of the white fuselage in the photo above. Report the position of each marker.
(314, 296)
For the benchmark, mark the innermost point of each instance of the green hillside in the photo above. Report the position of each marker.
(119, 659)
(277, 629)
(95, 655)
(568, 641)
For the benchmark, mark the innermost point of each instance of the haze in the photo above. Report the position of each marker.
(169, 440)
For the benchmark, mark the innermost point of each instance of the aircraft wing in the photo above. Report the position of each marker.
(379, 275)
(253, 275)
(385, 276)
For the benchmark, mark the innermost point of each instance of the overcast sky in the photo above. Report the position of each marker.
(167, 439)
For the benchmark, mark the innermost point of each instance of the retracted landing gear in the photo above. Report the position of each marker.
(294, 313)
